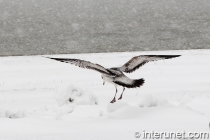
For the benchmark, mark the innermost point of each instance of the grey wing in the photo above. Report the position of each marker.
(84, 64)
(139, 61)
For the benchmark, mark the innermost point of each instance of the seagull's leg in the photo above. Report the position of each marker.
(113, 100)
(121, 94)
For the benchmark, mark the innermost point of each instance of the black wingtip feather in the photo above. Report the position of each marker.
(172, 56)
(164, 56)
(59, 59)
(50, 58)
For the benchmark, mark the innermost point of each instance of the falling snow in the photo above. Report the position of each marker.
(77, 26)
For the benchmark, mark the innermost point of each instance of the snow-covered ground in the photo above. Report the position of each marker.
(42, 99)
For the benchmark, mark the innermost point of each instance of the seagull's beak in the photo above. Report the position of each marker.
(103, 83)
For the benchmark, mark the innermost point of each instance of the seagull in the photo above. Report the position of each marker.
(115, 75)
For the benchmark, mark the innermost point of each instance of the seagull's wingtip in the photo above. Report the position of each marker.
(49, 57)
(172, 56)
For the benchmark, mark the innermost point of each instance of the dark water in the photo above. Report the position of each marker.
(82, 26)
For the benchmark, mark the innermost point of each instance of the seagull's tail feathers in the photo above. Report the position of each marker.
(131, 83)
(137, 83)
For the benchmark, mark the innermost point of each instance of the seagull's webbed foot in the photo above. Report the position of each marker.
(113, 100)
(120, 97)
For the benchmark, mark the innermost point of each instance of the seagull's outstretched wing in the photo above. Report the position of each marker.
(139, 61)
(84, 64)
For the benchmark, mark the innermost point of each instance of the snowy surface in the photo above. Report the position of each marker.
(35, 97)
